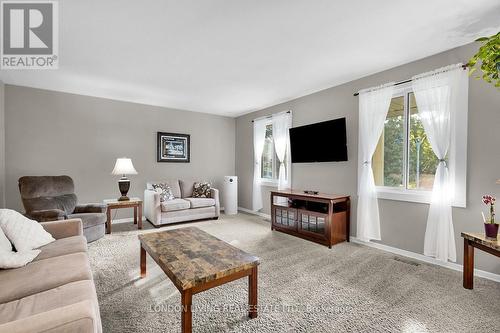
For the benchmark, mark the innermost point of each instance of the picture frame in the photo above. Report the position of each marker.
(173, 147)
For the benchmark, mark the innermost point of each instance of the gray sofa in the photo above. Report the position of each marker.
(183, 208)
(54, 293)
(49, 198)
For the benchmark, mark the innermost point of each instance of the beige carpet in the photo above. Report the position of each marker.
(303, 287)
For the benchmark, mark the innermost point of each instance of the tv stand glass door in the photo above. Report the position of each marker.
(313, 223)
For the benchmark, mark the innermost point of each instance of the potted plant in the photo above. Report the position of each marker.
(490, 227)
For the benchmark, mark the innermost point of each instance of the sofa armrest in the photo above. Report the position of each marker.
(152, 206)
(214, 193)
(63, 229)
(79, 317)
(47, 215)
(90, 208)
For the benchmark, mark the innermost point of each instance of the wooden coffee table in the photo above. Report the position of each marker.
(196, 261)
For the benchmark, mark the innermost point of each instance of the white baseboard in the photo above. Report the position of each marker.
(266, 216)
(429, 260)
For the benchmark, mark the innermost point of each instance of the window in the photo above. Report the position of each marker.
(269, 163)
(404, 157)
(404, 163)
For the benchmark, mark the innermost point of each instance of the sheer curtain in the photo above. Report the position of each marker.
(259, 137)
(373, 107)
(281, 124)
(437, 94)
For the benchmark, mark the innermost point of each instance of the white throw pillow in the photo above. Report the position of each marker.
(5, 244)
(17, 259)
(24, 233)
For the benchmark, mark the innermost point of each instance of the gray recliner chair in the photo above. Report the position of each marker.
(50, 198)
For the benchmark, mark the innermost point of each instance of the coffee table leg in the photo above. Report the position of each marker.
(108, 221)
(468, 265)
(139, 224)
(135, 214)
(252, 294)
(186, 315)
(143, 262)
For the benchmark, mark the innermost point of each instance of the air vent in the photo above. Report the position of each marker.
(406, 261)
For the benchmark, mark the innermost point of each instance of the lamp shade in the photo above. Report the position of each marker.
(124, 166)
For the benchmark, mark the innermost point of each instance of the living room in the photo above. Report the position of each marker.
(222, 166)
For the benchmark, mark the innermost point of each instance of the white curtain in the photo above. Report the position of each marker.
(373, 107)
(259, 137)
(436, 94)
(281, 124)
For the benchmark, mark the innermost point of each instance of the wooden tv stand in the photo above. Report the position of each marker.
(321, 218)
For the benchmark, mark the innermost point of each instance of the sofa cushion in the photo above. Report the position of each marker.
(164, 190)
(5, 244)
(12, 259)
(62, 247)
(89, 219)
(43, 275)
(24, 233)
(202, 190)
(201, 202)
(56, 298)
(173, 183)
(176, 204)
(187, 187)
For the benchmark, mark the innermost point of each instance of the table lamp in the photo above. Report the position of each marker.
(123, 167)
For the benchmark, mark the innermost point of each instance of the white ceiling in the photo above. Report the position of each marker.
(231, 57)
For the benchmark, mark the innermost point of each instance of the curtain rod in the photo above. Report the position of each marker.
(270, 116)
(409, 80)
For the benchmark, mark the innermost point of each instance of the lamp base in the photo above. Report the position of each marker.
(124, 186)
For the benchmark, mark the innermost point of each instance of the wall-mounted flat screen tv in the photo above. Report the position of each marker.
(320, 142)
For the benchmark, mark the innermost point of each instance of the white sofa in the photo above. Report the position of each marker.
(183, 208)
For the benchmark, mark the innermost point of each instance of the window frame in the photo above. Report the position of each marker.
(272, 182)
(457, 158)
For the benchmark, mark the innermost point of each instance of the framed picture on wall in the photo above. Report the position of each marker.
(173, 147)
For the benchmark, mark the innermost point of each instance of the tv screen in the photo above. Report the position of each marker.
(320, 142)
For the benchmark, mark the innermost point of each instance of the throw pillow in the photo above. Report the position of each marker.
(5, 244)
(24, 233)
(17, 259)
(201, 190)
(165, 191)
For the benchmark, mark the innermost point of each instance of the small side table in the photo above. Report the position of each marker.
(135, 203)
(478, 241)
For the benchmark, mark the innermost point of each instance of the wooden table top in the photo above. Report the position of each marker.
(307, 195)
(191, 257)
(115, 202)
(481, 239)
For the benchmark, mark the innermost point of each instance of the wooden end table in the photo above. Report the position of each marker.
(196, 261)
(135, 203)
(478, 241)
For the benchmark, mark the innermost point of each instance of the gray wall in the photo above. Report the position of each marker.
(52, 133)
(2, 146)
(402, 223)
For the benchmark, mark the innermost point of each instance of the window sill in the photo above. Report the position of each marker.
(404, 195)
(417, 196)
(269, 183)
